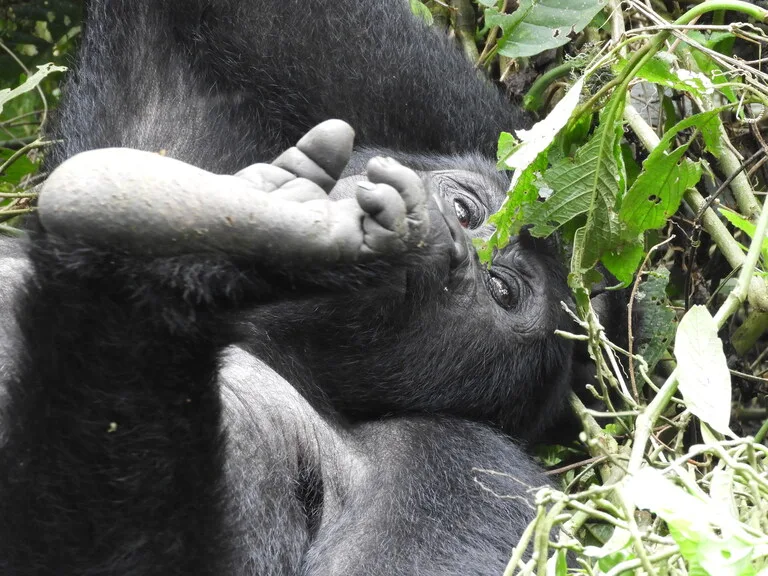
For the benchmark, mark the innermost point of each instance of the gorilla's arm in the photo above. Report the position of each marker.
(111, 429)
(112, 449)
(277, 213)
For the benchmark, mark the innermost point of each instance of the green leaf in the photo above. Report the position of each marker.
(622, 261)
(506, 146)
(557, 565)
(657, 320)
(662, 69)
(631, 165)
(745, 226)
(702, 370)
(575, 181)
(539, 25)
(512, 214)
(575, 134)
(657, 192)
(21, 167)
(589, 184)
(7, 94)
(707, 123)
(420, 10)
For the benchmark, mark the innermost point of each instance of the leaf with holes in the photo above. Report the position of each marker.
(657, 192)
(656, 318)
(539, 25)
(589, 184)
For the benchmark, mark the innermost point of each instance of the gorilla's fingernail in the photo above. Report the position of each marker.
(365, 185)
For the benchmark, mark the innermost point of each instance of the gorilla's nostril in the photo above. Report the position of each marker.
(460, 250)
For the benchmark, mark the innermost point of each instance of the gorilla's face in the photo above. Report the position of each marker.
(419, 327)
(526, 281)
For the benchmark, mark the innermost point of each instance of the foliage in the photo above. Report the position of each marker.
(36, 38)
(636, 185)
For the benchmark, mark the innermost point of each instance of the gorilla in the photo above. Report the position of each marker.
(212, 367)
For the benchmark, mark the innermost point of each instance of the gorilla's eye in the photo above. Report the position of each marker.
(469, 210)
(504, 292)
(462, 213)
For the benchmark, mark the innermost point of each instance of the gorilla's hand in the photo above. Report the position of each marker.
(277, 213)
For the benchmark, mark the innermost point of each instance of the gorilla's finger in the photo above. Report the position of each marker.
(384, 204)
(266, 177)
(379, 240)
(297, 162)
(406, 181)
(300, 190)
(329, 145)
(411, 189)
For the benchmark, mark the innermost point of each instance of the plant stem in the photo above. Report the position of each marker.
(736, 297)
(533, 99)
(463, 16)
(745, 336)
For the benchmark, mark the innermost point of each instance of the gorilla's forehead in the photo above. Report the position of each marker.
(473, 173)
(482, 168)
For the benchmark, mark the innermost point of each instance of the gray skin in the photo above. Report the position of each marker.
(277, 213)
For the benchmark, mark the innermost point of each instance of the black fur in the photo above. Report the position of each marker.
(132, 446)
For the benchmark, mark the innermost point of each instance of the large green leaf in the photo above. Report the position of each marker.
(657, 192)
(539, 25)
(589, 184)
